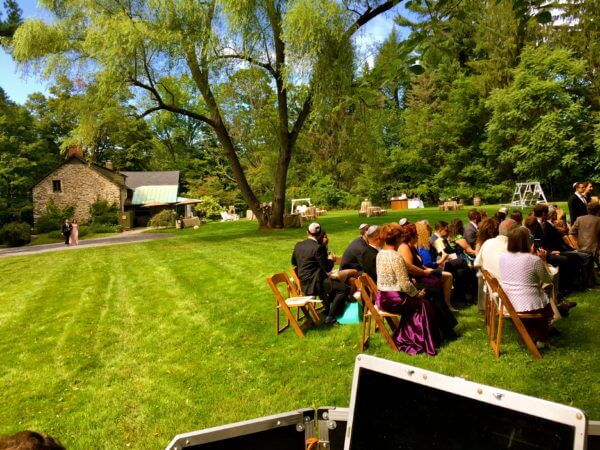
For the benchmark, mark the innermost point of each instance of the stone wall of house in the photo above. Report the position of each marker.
(80, 187)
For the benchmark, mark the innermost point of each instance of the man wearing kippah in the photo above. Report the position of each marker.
(354, 250)
(368, 258)
(310, 259)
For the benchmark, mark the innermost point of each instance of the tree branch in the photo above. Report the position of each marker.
(166, 107)
(304, 112)
(370, 14)
(267, 66)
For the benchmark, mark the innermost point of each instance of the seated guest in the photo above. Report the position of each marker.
(313, 266)
(501, 214)
(488, 229)
(587, 230)
(435, 282)
(470, 232)
(354, 250)
(368, 258)
(457, 241)
(567, 264)
(465, 282)
(522, 275)
(517, 216)
(553, 242)
(418, 330)
(488, 257)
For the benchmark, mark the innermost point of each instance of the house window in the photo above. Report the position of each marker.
(56, 187)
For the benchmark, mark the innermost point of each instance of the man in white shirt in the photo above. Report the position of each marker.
(488, 257)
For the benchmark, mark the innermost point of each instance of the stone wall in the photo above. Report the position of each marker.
(80, 187)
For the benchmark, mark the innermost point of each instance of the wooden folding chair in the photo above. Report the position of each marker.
(501, 307)
(291, 302)
(384, 321)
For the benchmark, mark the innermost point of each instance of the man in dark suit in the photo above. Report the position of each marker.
(66, 230)
(313, 266)
(577, 202)
(368, 258)
(470, 233)
(354, 250)
(559, 255)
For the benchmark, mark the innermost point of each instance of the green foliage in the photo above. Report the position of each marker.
(165, 218)
(15, 234)
(208, 208)
(54, 217)
(100, 228)
(540, 126)
(104, 213)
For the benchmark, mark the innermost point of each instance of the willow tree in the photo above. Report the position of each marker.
(141, 46)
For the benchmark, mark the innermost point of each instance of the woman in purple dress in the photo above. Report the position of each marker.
(418, 331)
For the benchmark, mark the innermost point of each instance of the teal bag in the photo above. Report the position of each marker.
(352, 313)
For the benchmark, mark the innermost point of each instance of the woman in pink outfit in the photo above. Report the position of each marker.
(74, 239)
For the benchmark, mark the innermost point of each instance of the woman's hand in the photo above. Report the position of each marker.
(542, 254)
(421, 293)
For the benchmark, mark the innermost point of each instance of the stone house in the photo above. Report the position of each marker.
(77, 183)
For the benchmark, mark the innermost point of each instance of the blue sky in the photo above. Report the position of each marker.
(18, 85)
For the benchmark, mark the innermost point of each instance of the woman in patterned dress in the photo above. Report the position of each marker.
(418, 331)
(522, 275)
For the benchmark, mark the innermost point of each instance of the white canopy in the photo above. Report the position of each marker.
(299, 200)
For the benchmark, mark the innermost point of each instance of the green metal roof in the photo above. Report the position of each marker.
(154, 194)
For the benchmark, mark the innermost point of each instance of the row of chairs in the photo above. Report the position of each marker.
(301, 311)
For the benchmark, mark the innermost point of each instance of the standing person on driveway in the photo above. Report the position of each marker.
(74, 233)
(66, 231)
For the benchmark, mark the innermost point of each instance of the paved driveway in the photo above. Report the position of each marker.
(126, 238)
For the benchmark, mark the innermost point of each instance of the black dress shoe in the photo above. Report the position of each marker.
(569, 304)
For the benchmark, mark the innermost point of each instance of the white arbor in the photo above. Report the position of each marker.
(528, 194)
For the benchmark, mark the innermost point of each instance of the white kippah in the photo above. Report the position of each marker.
(372, 230)
(314, 228)
(503, 210)
(403, 221)
(363, 225)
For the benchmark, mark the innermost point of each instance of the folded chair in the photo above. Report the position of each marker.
(384, 321)
(500, 307)
(291, 303)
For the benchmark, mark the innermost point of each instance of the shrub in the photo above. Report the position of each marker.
(165, 218)
(101, 212)
(56, 234)
(26, 214)
(100, 228)
(208, 207)
(15, 234)
(53, 218)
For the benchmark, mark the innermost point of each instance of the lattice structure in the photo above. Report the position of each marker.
(528, 194)
(296, 201)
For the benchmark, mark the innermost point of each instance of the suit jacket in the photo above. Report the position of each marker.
(537, 231)
(368, 261)
(552, 239)
(350, 258)
(576, 208)
(470, 234)
(587, 230)
(66, 229)
(310, 259)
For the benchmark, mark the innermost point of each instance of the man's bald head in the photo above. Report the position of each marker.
(506, 225)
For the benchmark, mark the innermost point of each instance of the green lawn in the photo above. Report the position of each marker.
(126, 346)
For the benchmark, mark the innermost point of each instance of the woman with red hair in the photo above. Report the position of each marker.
(419, 330)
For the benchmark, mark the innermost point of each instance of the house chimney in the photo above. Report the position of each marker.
(108, 165)
(75, 150)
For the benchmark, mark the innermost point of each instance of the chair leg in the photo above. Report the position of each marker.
(524, 334)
